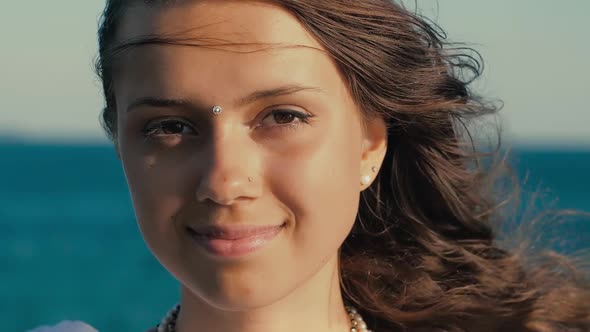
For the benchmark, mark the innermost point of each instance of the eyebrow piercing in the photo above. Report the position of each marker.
(217, 110)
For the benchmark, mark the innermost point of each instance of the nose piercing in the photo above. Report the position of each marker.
(217, 110)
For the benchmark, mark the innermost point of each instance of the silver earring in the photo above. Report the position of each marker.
(217, 110)
(365, 179)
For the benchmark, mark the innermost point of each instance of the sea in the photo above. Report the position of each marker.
(70, 248)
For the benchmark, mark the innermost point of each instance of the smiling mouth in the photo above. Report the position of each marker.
(234, 241)
(232, 232)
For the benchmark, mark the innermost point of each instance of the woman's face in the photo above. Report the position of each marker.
(287, 150)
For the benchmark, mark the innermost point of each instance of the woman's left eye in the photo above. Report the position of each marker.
(285, 118)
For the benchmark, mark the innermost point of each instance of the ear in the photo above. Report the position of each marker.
(374, 147)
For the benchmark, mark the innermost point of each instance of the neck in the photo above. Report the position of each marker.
(315, 305)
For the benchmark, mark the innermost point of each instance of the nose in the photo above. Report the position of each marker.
(230, 174)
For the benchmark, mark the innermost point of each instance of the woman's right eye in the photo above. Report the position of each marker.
(168, 127)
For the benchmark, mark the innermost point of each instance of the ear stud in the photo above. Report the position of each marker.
(365, 179)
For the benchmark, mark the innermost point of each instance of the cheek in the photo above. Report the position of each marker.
(319, 183)
(158, 186)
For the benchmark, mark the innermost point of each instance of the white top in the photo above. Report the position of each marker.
(65, 326)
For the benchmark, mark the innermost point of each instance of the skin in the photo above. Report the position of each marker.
(195, 169)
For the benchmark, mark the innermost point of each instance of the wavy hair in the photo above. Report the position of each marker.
(423, 254)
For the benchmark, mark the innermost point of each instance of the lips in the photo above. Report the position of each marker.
(233, 232)
(235, 240)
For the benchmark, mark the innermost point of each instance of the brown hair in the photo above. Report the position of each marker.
(423, 254)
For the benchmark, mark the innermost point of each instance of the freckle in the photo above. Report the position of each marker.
(150, 161)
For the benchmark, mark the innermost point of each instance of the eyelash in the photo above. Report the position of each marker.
(151, 132)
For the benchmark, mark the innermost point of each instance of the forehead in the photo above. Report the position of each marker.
(241, 22)
(247, 45)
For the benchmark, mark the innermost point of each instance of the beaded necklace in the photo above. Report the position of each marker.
(168, 323)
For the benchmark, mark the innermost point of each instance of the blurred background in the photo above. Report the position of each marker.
(69, 245)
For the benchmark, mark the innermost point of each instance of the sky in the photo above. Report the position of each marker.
(536, 61)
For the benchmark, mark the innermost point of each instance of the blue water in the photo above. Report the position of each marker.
(70, 248)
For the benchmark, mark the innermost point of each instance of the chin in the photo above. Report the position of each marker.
(241, 295)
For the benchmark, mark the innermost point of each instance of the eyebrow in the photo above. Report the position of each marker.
(249, 99)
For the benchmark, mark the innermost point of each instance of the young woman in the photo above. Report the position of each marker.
(305, 165)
